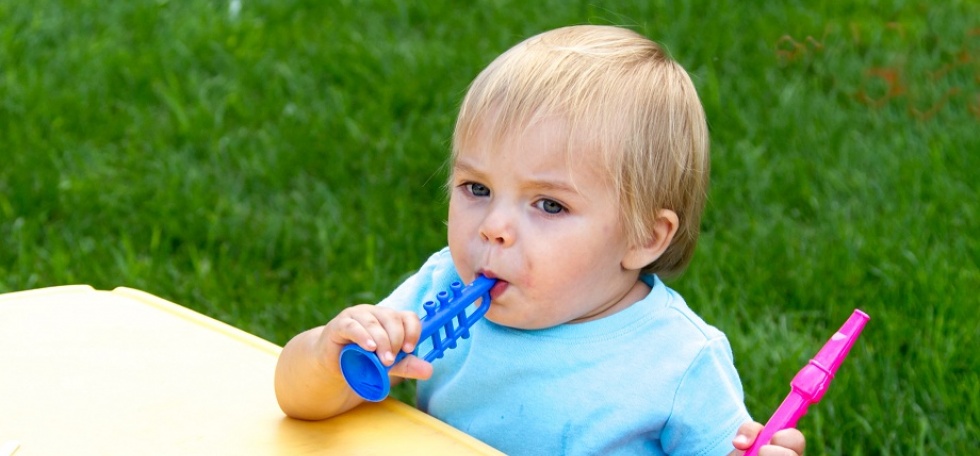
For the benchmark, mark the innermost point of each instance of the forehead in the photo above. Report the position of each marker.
(592, 135)
(546, 149)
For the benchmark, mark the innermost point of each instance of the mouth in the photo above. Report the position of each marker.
(499, 287)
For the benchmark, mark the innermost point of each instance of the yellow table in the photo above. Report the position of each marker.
(84, 371)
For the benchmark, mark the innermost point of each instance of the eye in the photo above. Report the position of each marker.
(478, 189)
(550, 206)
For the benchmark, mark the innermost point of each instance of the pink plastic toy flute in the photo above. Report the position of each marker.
(811, 382)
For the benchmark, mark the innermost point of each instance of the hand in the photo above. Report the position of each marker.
(787, 442)
(379, 329)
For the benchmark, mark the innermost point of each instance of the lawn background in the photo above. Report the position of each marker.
(270, 162)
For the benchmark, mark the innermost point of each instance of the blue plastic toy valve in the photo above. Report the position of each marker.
(444, 322)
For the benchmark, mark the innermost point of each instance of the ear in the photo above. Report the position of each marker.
(659, 239)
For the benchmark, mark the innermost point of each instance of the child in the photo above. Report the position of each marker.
(579, 172)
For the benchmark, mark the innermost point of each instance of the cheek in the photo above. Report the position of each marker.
(591, 252)
(453, 216)
(457, 226)
(452, 233)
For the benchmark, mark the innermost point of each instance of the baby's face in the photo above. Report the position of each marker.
(546, 226)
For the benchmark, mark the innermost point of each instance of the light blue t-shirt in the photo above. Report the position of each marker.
(651, 379)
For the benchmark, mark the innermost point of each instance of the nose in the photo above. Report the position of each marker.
(498, 227)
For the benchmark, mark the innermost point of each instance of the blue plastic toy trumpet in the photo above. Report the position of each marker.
(445, 321)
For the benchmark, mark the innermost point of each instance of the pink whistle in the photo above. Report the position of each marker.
(811, 382)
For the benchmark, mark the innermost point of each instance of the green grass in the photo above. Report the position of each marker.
(271, 168)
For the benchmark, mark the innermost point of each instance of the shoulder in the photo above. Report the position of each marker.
(675, 316)
(435, 275)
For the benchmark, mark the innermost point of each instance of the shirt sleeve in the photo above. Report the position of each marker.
(709, 405)
(434, 276)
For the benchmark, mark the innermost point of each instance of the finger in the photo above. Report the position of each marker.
(774, 450)
(413, 330)
(393, 324)
(390, 329)
(347, 328)
(378, 335)
(790, 438)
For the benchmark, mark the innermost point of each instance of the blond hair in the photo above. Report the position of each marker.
(620, 96)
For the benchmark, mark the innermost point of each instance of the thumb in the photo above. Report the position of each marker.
(746, 435)
(412, 367)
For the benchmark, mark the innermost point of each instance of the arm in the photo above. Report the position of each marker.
(308, 381)
(787, 442)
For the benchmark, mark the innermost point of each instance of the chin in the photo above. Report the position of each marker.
(502, 320)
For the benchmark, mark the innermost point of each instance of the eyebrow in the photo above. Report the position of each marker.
(543, 184)
(459, 166)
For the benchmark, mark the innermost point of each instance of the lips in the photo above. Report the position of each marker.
(499, 287)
